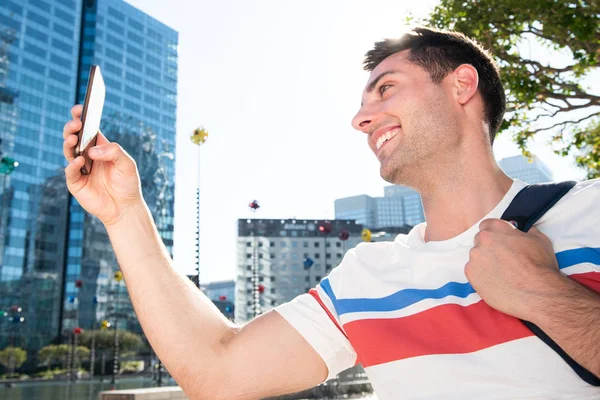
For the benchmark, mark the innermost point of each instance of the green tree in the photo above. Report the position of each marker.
(129, 342)
(48, 354)
(13, 355)
(542, 97)
(61, 354)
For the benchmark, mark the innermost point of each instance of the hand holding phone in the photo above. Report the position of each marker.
(90, 118)
(113, 189)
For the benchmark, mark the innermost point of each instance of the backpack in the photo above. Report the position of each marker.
(528, 206)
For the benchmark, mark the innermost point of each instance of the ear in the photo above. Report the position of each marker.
(466, 81)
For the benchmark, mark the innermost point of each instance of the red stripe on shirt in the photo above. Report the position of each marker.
(315, 294)
(445, 329)
(589, 279)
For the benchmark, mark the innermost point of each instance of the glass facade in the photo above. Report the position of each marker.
(137, 56)
(519, 167)
(400, 206)
(42, 70)
(49, 244)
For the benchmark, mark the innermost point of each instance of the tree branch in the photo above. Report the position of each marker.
(564, 123)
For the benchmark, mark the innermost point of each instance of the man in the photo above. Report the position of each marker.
(405, 309)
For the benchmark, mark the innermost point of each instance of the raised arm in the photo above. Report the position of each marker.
(210, 357)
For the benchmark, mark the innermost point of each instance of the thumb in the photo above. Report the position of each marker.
(113, 152)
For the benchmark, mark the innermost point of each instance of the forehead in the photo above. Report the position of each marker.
(396, 62)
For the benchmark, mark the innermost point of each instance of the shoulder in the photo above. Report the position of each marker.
(367, 259)
(583, 195)
(575, 216)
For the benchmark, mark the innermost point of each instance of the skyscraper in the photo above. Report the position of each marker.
(51, 245)
(138, 59)
(42, 70)
(400, 206)
(519, 167)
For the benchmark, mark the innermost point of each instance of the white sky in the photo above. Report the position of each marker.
(276, 83)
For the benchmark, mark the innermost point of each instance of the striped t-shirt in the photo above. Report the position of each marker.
(407, 313)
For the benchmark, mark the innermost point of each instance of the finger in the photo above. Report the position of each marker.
(69, 146)
(71, 128)
(73, 174)
(496, 225)
(76, 111)
(112, 152)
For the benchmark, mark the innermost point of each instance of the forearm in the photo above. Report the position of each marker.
(571, 317)
(183, 326)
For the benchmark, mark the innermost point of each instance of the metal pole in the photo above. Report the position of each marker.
(69, 356)
(255, 271)
(160, 367)
(75, 340)
(198, 220)
(92, 361)
(116, 348)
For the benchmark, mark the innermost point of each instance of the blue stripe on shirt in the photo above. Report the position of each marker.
(408, 297)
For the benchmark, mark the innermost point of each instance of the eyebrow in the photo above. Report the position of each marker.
(372, 85)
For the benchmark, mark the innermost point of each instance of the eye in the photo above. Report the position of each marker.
(383, 88)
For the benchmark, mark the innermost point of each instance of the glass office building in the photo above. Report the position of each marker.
(42, 70)
(400, 206)
(50, 246)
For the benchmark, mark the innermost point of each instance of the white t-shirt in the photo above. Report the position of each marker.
(407, 313)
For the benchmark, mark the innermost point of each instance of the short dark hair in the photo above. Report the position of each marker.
(441, 52)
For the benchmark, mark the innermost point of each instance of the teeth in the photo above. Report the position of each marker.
(386, 136)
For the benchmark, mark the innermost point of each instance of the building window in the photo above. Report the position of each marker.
(248, 244)
(328, 255)
(338, 244)
(317, 255)
(305, 244)
(272, 244)
(316, 244)
(248, 255)
(318, 278)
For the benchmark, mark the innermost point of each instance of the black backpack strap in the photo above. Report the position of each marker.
(528, 206)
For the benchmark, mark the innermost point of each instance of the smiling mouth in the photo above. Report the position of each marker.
(386, 137)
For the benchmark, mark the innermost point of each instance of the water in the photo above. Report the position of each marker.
(59, 390)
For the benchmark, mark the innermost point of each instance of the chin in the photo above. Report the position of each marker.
(391, 173)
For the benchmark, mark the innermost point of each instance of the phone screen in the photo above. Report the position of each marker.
(95, 104)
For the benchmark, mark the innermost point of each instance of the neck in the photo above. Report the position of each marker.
(457, 198)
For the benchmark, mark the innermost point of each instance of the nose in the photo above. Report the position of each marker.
(364, 118)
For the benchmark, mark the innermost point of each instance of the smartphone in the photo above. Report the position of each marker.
(90, 117)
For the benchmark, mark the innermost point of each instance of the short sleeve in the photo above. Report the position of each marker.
(319, 326)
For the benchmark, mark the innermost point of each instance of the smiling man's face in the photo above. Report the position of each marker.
(409, 119)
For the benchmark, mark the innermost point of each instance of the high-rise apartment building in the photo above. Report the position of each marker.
(50, 246)
(290, 256)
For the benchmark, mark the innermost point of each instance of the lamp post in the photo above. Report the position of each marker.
(118, 278)
(104, 325)
(325, 229)
(256, 292)
(7, 166)
(16, 319)
(198, 137)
